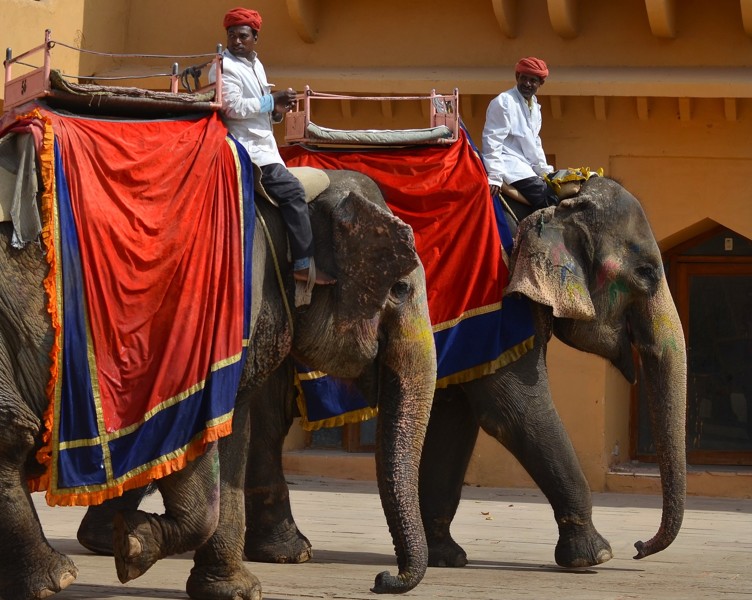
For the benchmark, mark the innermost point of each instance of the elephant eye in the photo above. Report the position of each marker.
(648, 273)
(400, 290)
(648, 276)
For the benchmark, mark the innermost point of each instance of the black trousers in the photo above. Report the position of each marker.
(286, 189)
(537, 192)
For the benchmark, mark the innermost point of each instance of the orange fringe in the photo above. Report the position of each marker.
(46, 157)
(195, 449)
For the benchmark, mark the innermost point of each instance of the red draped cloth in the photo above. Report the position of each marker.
(442, 193)
(145, 234)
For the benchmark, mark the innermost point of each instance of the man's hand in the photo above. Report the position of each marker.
(284, 101)
(494, 189)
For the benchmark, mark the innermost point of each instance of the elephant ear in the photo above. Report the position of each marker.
(548, 262)
(374, 249)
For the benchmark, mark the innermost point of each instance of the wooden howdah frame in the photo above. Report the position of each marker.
(42, 82)
(443, 121)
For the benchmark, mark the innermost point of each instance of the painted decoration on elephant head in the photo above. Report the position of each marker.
(148, 227)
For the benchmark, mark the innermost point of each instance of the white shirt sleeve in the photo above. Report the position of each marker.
(234, 105)
(247, 106)
(495, 131)
(542, 166)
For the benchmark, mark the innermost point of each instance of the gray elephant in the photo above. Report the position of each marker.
(372, 326)
(594, 275)
(29, 566)
(593, 272)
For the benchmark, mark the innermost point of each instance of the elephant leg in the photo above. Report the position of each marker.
(191, 500)
(96, 528)
(271, 533)
(515, 406)
(450, 439)
(218, 572)
(29, 567)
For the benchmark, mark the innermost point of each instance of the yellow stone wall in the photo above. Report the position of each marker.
(658, 92)
(23, 24)
(97, 25)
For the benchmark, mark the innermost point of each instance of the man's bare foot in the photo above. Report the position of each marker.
(322, 278)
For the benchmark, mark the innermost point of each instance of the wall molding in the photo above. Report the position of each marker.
(562, 14)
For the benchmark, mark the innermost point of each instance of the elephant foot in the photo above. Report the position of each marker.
(581, 547)
(240, 585)
(135, 546)
(446, 553)
(284, 544)
(96, 528)
(95, 536)
(47, 579)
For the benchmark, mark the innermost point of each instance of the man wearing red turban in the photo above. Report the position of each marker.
(242, 16)
(532, 66)
(512, 148)
(249, 107)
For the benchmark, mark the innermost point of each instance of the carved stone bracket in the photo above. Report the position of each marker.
(729, 108)
(599, 108)
(643, 108)
(466, 105)
(563, 16)
(662, 17)
(557, 110)
(506, 16)
(387, 108)
(746, 6)
(346, 108)
(304, 15)
(685, 109)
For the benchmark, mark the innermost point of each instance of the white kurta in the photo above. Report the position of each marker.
(512, 148)
(244, 84)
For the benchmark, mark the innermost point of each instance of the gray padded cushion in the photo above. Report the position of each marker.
(387, 137)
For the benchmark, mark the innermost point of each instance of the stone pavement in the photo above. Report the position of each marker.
(509, 535)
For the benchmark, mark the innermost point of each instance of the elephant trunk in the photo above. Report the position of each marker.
(407, 381)
(663, 354)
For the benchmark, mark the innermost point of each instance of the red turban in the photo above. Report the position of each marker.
(242, 16)
(532, 66)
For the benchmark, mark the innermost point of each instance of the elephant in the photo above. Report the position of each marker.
(29, 566)
(372, 327)
(593, 274)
